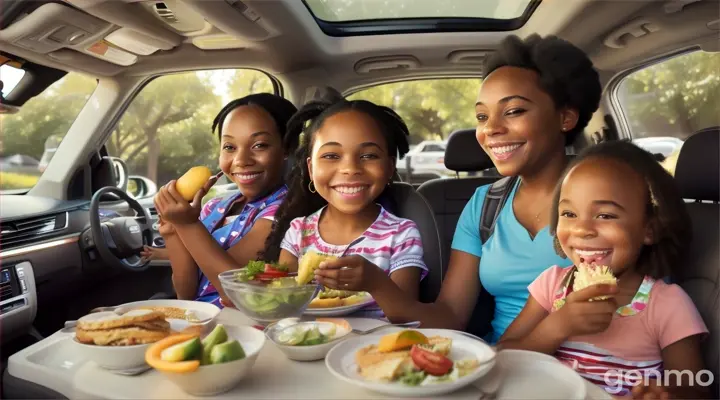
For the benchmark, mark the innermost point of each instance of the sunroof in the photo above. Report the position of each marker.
(358, 17)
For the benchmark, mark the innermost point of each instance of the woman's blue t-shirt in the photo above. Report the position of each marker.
(509, 260)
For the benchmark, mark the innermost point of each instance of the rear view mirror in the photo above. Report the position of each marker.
(141, 187)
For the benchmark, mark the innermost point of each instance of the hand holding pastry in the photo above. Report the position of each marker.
(581, 316)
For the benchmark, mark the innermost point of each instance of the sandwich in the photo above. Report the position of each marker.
(588, 275)
(328, 298)
(309, 262)
(132, 328)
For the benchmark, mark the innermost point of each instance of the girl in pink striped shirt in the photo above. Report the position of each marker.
(345, 164)
(617, 207)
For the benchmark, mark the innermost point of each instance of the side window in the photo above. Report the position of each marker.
(31, 135)
(667, 102)
(166, 129)
(433, 148)
(432, 109)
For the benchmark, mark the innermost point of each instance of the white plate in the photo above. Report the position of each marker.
(341, 363)
(338, 311)
(201, 309)
(530, 375)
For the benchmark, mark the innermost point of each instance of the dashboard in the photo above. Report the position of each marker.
(43, 256)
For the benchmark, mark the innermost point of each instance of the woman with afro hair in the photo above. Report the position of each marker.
(537, 96)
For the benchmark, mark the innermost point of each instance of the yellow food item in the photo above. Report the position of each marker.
(588, 275)
(153, 355)
(308, 264)
(193, 180)
(401, 340)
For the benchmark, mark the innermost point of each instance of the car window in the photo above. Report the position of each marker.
(433, 148)
(166, 129)
(31, 135)
(664, 103)
(10, 76)
(432, 109)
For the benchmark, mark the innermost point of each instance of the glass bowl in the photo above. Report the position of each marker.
(266, 302)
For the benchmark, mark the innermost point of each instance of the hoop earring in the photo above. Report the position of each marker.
(311, 188)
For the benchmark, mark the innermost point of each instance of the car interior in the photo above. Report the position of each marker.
(56, 260)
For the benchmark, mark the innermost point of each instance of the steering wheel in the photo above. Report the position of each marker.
(120, 240)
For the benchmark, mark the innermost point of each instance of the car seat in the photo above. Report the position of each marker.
(447, 197)
(411, 205)
(698, 178)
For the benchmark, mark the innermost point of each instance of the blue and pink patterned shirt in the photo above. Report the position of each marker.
(229, 229)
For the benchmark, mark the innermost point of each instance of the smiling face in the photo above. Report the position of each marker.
(251, 152)
(350, 164)
(518, 124)
(603, 216)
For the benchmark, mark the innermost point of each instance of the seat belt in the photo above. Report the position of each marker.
(495, 199)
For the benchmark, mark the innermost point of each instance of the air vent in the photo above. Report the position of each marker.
(26, 231)
(162, 10)
(152, 211)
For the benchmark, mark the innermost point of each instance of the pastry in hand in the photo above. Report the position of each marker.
(588, 275)
(309, 262)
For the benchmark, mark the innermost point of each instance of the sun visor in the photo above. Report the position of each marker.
(52, 27)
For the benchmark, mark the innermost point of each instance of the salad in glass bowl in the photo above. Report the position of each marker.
(267, 292)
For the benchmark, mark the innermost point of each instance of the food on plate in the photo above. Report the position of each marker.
(261, 271)
(190, 349)
(185, 352)
(312, 333)
(401, 340)
(173, 312)
(411, 358)
(226, 352)
(329, 298)
(588, 275)
(192, 181)
(131, 328)
(309, 262)
(217, 336)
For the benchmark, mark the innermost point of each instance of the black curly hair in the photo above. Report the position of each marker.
(279, 108)
(665, 207)
(300, 202)
(565, 73)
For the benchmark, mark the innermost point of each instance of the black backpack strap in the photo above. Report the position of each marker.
(495, 199)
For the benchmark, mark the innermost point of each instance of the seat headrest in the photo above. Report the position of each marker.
(464, 154)
(697, 172)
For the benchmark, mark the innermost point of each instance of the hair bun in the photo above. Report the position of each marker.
(323, 94)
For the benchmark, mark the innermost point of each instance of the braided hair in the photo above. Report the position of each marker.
(279, 108)
(300, 202)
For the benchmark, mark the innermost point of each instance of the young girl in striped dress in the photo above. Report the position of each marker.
(345, 163)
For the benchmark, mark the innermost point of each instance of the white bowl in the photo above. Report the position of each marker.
(211, 380)
(532, 375)
(112, 357)
(304, 353)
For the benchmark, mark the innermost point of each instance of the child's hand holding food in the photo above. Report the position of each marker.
(580, 316)
(172, 200)
(348, 273)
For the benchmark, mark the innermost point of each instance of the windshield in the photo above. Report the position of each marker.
(31, 136)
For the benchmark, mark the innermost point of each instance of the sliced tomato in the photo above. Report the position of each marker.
(269, 275)
(432, 363)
